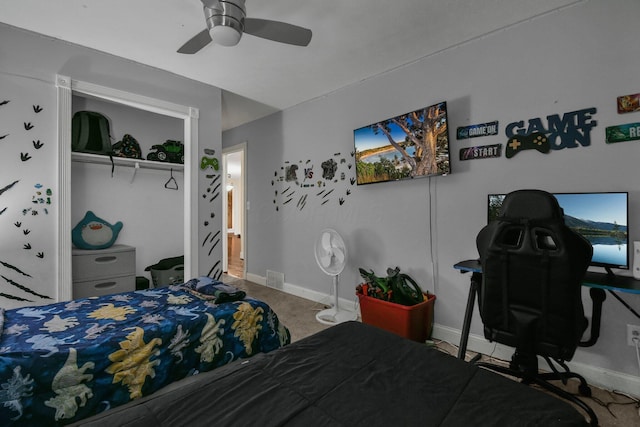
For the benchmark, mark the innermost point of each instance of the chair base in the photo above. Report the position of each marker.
(525, 367)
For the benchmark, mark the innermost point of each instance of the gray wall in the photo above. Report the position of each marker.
(574, 59)
(28, 66)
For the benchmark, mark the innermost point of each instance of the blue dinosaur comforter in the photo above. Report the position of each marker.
(63, 362)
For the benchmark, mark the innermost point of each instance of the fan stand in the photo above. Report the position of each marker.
(333, 315)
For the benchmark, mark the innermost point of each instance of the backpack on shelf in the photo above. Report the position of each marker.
(90, 133)
(127, 147)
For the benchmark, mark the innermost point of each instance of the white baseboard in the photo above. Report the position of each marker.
(603, 378)
(299, 291)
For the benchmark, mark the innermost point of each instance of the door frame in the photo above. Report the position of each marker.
(242, 149)
(66, 88)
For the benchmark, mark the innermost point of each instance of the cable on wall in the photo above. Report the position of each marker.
(432, 241)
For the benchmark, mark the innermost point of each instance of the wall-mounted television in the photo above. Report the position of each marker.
(407, 146)
(602, 218)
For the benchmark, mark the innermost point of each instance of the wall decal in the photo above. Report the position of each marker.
(25, 124)
(301, 182)
(9, 186)
(16, 269)
(212, 273)
(628, 103)
(474, 131)
(567, 132)
(481, 152)
(212, 192)
(622, 133)
(536, 141)
(291, 173)
(212, 162)
(24, 288)
(329, 168)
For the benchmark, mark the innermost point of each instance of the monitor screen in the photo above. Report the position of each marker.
(410, 145)
(602, 218)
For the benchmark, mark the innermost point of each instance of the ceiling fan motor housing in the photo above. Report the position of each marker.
(225, 13)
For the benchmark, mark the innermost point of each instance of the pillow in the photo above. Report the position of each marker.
(94, 233)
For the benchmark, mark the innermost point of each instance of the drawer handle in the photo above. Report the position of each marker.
(106, 259)
(105, 285)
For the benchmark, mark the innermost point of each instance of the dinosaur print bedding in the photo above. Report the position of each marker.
(66, 361)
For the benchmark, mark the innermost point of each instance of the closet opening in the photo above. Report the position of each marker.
(180, 122)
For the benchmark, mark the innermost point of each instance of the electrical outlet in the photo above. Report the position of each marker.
(633, 331)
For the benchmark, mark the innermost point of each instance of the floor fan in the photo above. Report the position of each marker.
(331, 256)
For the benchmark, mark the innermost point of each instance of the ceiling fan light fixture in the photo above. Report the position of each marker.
(225, 21)
(225, 35)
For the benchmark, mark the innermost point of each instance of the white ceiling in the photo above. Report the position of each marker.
(352, 40)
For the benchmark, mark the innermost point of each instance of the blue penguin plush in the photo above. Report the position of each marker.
(94, 233)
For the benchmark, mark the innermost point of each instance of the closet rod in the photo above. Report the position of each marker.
(123, 161)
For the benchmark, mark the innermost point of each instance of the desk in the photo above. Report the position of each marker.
(597, 282)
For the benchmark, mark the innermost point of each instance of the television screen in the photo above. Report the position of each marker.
(408, 146)
(602, 218)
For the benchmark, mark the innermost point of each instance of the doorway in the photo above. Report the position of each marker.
(234, 210)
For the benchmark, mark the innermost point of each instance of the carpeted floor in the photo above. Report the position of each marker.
(298, 314)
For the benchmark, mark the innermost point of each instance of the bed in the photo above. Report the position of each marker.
(63, 362)
(351, 374)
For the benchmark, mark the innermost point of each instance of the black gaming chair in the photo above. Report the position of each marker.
(529, 298)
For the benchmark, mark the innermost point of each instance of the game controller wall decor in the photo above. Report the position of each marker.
(571, 130)
(300, 183)
(536, 141)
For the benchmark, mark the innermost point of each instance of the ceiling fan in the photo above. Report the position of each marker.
(226, 21)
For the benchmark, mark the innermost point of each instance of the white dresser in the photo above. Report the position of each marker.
(103, 271)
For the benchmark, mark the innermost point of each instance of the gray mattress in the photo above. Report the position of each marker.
(349, 375)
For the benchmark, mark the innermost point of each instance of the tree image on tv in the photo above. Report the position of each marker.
(407, 146)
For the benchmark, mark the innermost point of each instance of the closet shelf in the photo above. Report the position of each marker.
(122, 161)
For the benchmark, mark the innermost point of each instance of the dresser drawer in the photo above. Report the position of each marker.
(118, 260)
(95, 288)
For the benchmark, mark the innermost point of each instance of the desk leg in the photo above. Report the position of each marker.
(476, 278)
(597, 296)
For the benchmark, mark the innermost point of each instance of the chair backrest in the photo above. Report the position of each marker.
(532, 267)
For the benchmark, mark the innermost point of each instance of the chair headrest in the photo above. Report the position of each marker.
(531, 204)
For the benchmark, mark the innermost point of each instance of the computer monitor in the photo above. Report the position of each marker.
(601, 217)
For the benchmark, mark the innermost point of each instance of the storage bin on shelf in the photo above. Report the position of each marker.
(167, 271)
(414, 322)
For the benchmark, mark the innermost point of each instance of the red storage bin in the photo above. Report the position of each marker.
(414, 322)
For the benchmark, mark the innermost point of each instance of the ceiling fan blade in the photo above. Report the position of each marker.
(277, 31)
(196, 43)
